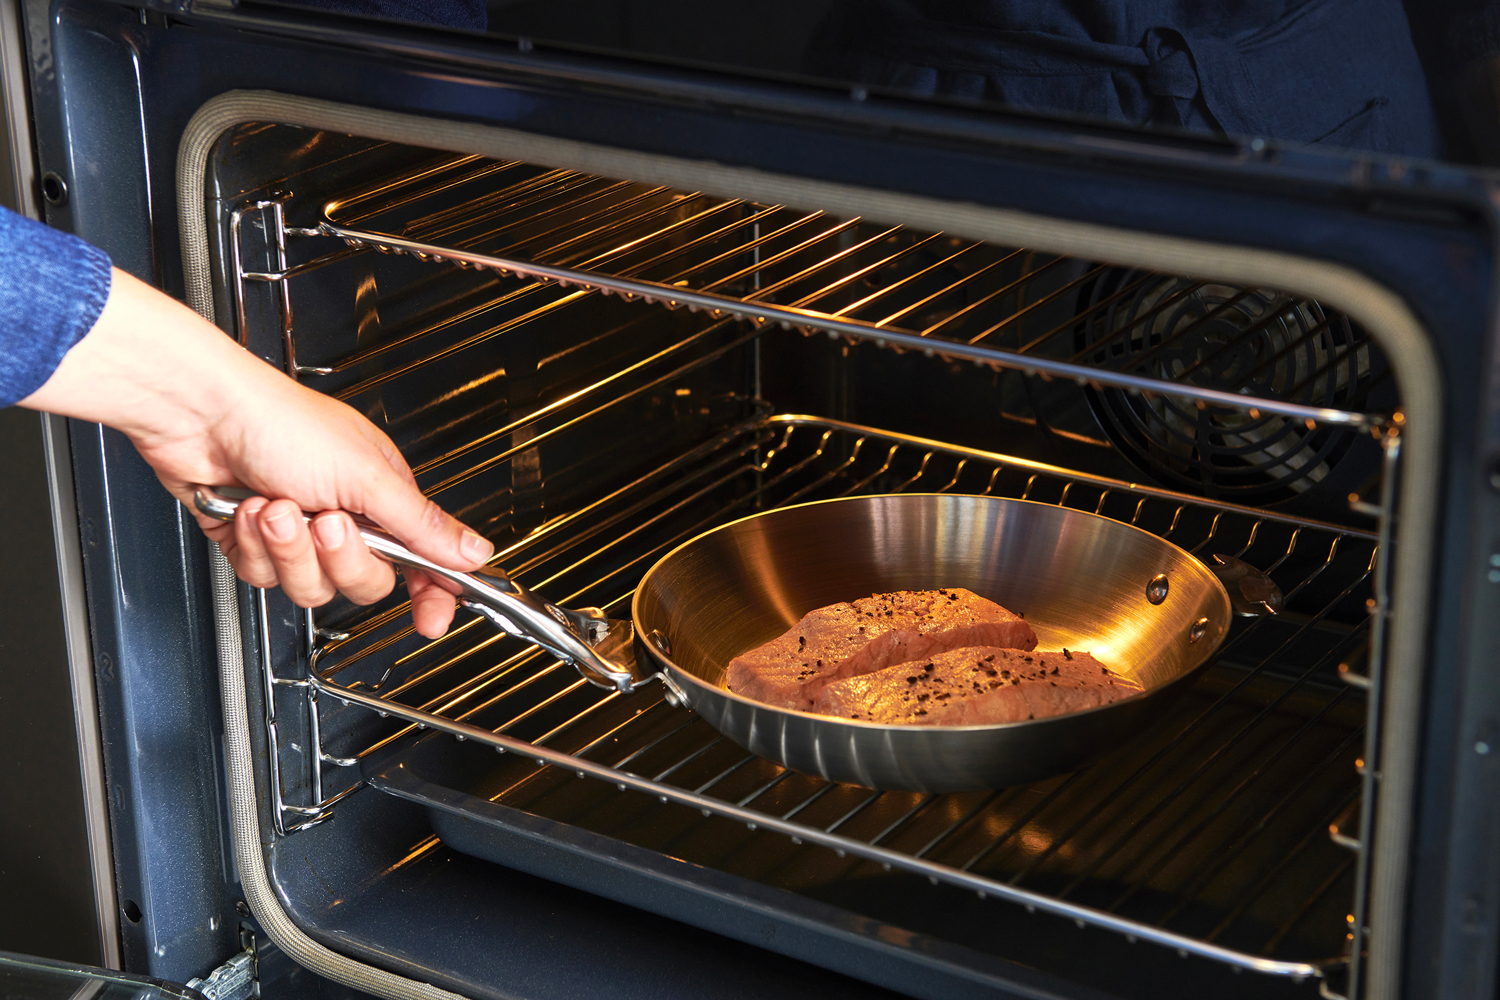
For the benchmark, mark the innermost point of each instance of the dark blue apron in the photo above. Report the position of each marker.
(1338, 72)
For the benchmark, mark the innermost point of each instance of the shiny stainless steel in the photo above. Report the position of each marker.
(1079, 578)
(275, 229)
(1338, 829)
(1250, 591)
(564, 633)
(796, 317)
(288, 817)
(1380, 620)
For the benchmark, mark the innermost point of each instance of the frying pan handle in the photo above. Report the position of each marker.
(566, 634)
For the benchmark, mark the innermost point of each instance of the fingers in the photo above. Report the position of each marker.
(289, 546)
(347, 562)
(273, 546)
(425, 528)
(432, 607)
(251, 561)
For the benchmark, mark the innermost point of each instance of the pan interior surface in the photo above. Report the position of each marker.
(1081, 580)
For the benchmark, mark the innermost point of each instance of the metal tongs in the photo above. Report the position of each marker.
(600, 648)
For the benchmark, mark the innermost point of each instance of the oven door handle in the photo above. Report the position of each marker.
(568, 634)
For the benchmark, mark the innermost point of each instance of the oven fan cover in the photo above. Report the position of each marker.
(1241, 340)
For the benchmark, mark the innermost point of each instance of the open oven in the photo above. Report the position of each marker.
(602, 310)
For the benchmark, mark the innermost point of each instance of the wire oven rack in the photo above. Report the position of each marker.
(1123, 828)
(1234, 776)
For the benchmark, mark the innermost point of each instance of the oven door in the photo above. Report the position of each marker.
(26, 978)
(126, 104)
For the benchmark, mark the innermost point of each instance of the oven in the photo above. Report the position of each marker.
(605, 307)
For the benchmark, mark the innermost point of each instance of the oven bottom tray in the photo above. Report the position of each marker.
(890, 928)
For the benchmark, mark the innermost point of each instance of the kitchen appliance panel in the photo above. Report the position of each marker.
(1420, 231)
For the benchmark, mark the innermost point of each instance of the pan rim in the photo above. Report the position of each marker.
(680, 674)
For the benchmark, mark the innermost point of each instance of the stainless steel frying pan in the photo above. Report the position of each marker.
(1143, 606)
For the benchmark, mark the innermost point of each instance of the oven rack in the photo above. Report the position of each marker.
(1244, 344)
(785, 459)
(769, 265)
(810, 321)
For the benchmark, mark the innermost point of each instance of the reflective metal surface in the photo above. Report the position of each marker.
(1251, 592)
(512, 608)
(1080, 579)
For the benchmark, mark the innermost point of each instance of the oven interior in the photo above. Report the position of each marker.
(589, 427)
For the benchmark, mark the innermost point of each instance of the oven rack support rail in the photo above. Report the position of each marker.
(809, 321)
(318, 685)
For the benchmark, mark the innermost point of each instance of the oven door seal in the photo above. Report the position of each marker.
(1379, 310)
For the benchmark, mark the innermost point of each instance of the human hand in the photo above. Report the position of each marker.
(219, 416)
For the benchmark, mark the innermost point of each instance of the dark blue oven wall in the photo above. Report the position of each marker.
(115, 86)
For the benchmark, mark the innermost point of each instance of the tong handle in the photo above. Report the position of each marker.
(567, 634)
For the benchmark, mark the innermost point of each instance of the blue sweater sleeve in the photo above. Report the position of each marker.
(52, 289)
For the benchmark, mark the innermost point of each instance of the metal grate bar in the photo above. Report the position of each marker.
(1203, 717)
(1026, 310)
(1313, 897)
(957, 824)
(950, 289)
(1196, 879)
(1207, 762)
(1270, 876)
(409, 187)
(996, 295)
(1207, 816)
(1020, 823)
(1084, 314)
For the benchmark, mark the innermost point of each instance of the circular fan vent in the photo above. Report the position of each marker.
(1246, 341)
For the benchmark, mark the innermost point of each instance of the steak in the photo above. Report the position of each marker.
(848, 639)
(980, 685)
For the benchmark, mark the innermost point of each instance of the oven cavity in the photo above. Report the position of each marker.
(593, 370)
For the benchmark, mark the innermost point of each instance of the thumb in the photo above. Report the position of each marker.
(423, 526)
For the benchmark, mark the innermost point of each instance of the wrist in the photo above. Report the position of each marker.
(149, 367)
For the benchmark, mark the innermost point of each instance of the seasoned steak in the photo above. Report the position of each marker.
(983, 684)
(845, 640)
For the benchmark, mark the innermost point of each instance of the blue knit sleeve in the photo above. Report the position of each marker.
(52, 289)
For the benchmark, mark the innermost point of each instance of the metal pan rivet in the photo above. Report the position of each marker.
(1199, 630)
(660, 641)
(1156, 590)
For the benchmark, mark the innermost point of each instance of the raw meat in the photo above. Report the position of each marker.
(848, 639)
(979, 685)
